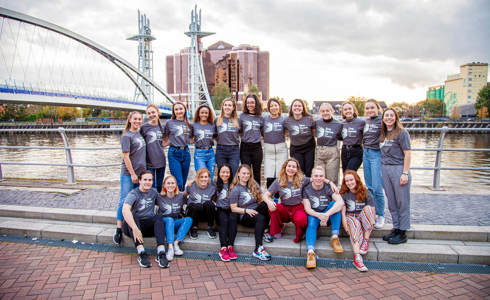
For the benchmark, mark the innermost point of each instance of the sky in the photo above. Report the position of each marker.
(319, 50)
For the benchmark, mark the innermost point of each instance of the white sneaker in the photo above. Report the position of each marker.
(380, 222)
(177, 249)
(170, 253)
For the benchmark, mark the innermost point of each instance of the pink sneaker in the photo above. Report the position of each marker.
(223, 254)
(359, 264)
(364, 247)
(231, 253)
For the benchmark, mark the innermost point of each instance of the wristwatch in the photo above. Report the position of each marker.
(405, 173)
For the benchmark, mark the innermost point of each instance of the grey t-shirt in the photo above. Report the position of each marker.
(155, 155)
(372, 133)
(251, 127)
(288, 195)
(352, 206)
(319, 199)
(352, 131)
(197, 195)
(134, 143)
(328, 132)
(242, 196)
(392, 150)
(300, 131)
(227, 133)
(203, 134)
(222, 199)
(142, 204)
(274, 130)
(178, 131)
(171, 207)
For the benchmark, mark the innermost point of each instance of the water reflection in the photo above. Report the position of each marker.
(475, 179)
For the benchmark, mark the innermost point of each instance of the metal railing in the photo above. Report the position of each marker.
(71, 166)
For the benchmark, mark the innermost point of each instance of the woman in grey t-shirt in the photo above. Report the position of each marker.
(352, 129)
(228, 140)
(203, 133)
(134, 163)
(395, 159)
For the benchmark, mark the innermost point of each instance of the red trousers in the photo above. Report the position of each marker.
(287, 213)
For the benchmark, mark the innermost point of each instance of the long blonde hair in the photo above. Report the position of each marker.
(298, 177)
(128, 122)
(252, 185)
(164, 190)
(234, 113)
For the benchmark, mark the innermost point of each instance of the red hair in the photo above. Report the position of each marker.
(360, 189)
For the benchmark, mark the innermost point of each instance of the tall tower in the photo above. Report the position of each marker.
(198, 90)
(145, 58)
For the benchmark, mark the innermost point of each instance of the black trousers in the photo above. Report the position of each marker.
(305, 154)
(153, 227)
(201, 212)
(252, 154)
(227, 227)
(351, 157)
(258, 222)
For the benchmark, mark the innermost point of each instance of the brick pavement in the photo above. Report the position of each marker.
(42, 272)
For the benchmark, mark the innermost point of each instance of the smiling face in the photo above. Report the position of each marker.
(350, 182)
(204, 114)
(203, 180)
(146, 182)
(348, 111)
(291, 168)
(152, 113)
(224, 174)
(179, 111)
(250, 102)
(389, 118)
(371, 109)
(326, 111)
(318, 177)
(297, 108)
(228, 108)
(274, 109)
(170, 185)
(136, 120)
(243, 176)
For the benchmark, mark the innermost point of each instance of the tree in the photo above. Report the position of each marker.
(220, 92)
(432, 107)
(254, 90)
(359, 102)
(284, 106)
(455, 114)
(482, 104)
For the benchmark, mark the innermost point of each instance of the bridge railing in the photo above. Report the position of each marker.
(437, 168)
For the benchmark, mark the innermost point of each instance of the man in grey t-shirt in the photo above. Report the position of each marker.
(141, 221)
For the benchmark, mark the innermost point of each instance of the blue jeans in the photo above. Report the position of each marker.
(314, 222)
(126, 186)
(374, 179)
(182, 226)
(229, 155)
(179, 161)
(204, 159)
(158, 175)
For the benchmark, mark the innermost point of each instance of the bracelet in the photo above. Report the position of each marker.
(244, 211)
(405, 173)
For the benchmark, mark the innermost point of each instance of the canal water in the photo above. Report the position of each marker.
(472, 179)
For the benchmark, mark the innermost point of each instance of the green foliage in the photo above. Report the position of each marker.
(254, 90)
(220, 92)
(359, 102)
(432, 107)
(483, 99)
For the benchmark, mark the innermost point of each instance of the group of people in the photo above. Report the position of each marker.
(301, 186)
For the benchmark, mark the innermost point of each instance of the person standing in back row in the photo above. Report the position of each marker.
(227, 149)
(352, 129)
(203, 132)
(251, 127)
(301, 128)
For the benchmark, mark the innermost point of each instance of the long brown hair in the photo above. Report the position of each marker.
(305, 108)
(356, 112)
(269, 106)
(197, 119)
(174, 117)
(298, 177)
(234, 113)
(128, 120)
(158, 118)
(360, 190)
(252, 185)
(396, 130)
(258, 105)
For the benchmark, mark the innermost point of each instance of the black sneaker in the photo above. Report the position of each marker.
(143, 260)
(401, 237)
(211, 233)
(194, 233)
(117, 238)
(162, 260)
(391, 235)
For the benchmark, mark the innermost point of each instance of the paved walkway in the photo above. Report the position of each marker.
(441, 208)
(41, 272)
